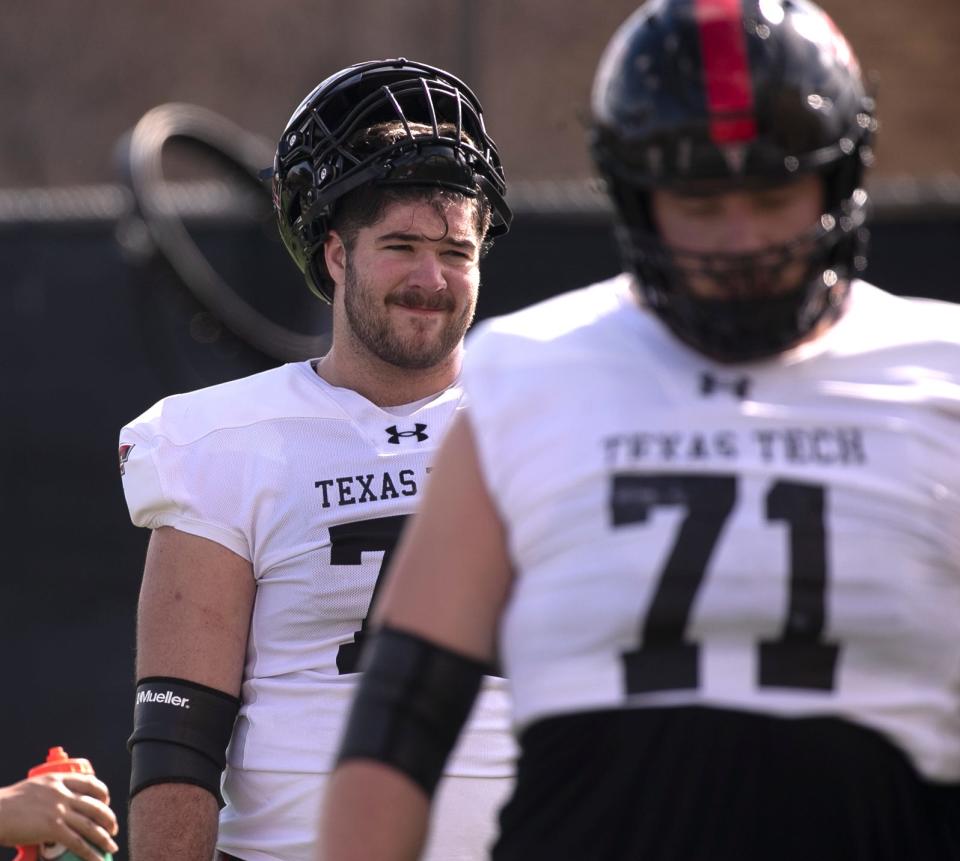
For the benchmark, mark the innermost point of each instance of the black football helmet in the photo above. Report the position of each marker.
(728, 94)
(316, 163)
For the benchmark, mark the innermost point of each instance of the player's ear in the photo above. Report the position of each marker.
(335, 257)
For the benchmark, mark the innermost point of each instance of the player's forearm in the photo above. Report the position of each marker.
(173, 820)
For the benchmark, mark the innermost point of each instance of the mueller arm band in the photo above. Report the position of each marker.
(180, 733)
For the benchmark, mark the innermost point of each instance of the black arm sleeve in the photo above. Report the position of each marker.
(413, 700)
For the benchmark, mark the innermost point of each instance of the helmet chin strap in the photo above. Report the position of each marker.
(751, 313)
(741, 330)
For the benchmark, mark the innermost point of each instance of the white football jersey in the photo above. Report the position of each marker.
(781, 536)
(310, 483)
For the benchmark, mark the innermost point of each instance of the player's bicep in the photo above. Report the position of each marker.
(451, 575)
(194, 611)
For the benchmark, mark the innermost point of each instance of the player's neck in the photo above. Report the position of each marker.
(384, 384)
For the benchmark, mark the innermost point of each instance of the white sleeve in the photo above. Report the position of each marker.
(174, 485)
(491, 408)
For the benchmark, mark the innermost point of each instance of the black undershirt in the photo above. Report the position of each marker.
(703, 784)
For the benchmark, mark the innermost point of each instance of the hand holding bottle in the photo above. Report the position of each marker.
(60, 808)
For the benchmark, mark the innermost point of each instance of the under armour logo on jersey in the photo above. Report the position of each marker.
(737, 386)
(125, 450)
(418, 432)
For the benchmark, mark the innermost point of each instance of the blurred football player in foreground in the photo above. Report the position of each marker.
(706, 513)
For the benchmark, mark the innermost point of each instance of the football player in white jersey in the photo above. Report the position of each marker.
(275, 501)
(707, 513)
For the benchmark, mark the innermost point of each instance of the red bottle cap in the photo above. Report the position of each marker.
(58, 761)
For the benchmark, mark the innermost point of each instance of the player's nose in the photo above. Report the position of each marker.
(427, 271)
(745, 230)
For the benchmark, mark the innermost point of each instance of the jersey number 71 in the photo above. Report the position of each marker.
(665, 660)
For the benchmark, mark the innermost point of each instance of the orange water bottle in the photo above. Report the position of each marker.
(58, 761)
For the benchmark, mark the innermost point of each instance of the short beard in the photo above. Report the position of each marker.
(370, 324)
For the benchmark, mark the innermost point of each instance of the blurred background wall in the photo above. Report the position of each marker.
(74, 76)
(98, 320)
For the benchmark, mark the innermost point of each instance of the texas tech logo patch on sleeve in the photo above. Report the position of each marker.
(124, 454)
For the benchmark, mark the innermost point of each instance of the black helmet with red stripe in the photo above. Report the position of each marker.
(729, 94)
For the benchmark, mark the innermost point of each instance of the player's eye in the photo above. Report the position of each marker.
(774, 200)
(700, 207)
